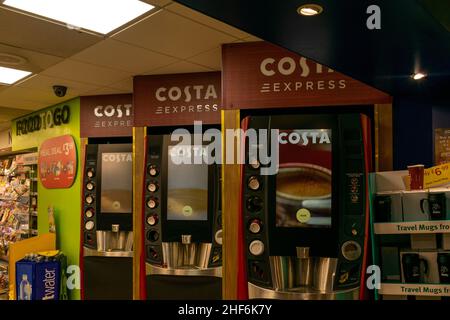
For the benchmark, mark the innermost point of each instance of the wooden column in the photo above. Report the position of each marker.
(230, 208)
(383, 138)
(139, 134)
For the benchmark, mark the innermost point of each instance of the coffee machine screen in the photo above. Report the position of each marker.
(116, 183)
(304, 179)
(187, 184)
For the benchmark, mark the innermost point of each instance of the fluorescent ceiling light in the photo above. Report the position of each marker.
(102, 16)
(10, 76)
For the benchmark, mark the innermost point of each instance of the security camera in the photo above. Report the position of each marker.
(60, 91)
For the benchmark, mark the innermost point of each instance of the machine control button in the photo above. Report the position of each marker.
(89, 199)
(90, 186)
(255, 164)
(90, 172)
(254, 204)
(218, 237)
(256, 247)
(152, 219)
(153, 170)
(351, 250)
(354, 232)
(152, 203)
(153, 235)
(89, 225)
(152, 187)
(253, 183)
(89, 213)
(255, 226)
(303, 215)
(343, 278)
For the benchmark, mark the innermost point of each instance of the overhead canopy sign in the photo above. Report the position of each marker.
(262, 75)
(106, 116)
(177, 99)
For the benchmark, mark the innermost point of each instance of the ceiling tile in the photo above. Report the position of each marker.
(23, 31)
(36, 62)
(180, 67)
(45, 83)
(11, 113)
(15, 92)
(206, 20)
(119, 55)
(17, 102)
(211, 59)
(173, 35)
(86, 73)
(124, 85)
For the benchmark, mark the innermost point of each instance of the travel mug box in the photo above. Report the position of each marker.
(388, 206)
(412, 208)
(428, 266)
(37, 280)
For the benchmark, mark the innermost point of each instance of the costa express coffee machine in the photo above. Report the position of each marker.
(183, 232)
(305, 227)
(107, 224)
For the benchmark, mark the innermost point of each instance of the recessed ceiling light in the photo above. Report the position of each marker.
(102, 16)
(309, 10)
(419, 76)
(10, 76)
(11, 59)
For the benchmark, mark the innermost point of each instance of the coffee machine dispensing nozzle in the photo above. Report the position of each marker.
(115, 228)
(186, 239)
(302, 252)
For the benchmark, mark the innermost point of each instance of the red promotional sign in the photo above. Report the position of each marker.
(263, 75)
(58, 162)
(177, 99)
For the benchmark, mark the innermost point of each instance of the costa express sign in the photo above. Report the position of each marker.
(43, 120)
(177, 99)
(106, 116)
(262, 75)
(57, 162)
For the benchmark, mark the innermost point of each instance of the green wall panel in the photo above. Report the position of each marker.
(66, 202)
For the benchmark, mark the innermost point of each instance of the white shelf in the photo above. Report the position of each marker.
(423, 289)
(414, 227)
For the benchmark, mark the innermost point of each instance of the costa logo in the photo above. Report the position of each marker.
(187, 93)
(117, 157)
(44, 120)
(109, 111)
(287, 66)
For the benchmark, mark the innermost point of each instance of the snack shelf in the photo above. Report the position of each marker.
(409, 289)
(413, 227)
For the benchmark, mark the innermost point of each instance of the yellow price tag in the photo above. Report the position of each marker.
(437, 176)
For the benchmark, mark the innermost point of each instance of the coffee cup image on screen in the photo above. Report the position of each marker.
(187, 189)
(304, 180)
(117, 178)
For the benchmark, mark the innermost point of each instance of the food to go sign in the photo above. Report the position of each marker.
(43, 120)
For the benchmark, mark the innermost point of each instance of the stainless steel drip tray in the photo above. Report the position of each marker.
(88, 252)
(184, 271)
(301, 293)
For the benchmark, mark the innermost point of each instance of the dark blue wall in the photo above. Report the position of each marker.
(414, 124)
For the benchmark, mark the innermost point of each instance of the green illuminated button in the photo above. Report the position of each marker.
(187, 211)
(303, 215)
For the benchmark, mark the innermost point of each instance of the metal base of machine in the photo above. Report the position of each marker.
(209, 272)
(255, 292)
(88, 252)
